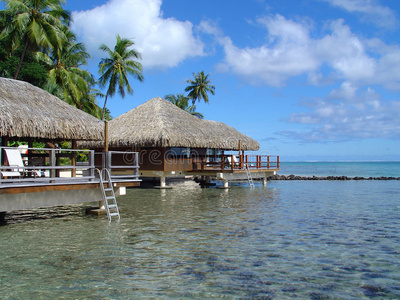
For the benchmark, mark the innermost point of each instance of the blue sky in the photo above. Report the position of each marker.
(308, 79)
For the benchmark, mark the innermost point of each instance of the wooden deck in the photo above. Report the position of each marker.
(45, 182)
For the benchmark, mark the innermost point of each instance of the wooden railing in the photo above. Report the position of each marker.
(122, 165)
(54, 165)
(49, 165)
(238, 162)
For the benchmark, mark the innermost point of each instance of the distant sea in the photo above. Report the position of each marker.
(350, 169)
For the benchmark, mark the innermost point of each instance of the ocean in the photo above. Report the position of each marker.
(291, 239)
(350, 169)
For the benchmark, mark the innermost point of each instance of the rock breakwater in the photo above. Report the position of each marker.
(296, 177)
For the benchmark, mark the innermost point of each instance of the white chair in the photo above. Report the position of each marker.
(235, 162)
(14, 160)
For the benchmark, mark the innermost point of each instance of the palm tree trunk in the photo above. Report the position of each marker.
(104, 107)
(21, 59)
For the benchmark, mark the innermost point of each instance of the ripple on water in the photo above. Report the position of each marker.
(310, 240)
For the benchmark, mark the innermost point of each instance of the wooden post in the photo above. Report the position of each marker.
(268, 161)
(105, 136)
(5, 144)
(91, 164)
(73, 158)
(52, 160)
(232, 162)
(240, 150)
(277, 162)
(29, 152)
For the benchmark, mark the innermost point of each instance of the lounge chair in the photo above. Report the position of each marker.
(235, 161)
(15, 164)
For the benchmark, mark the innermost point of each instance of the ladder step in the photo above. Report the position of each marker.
(106, 185)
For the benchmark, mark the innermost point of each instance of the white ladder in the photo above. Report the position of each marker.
(249, 178)
(108, 194)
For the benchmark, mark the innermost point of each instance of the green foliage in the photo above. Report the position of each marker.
(31, 71)
(183, 102)
(115, 68)
(199, 87)
(33, 25)
(37, 46)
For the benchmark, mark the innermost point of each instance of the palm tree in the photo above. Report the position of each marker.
(115, 68)
(183, 102)
(199, 87)
(64, 64)
(34, 24)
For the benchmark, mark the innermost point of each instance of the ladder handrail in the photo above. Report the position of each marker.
(106, 174)
(249, 177)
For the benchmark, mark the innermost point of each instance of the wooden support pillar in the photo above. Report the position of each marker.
(264, 181)
(105, 136)
(4, 140)
(29, 152)
(162, 182)
(3, 218)
(73, 158)
(52, 162)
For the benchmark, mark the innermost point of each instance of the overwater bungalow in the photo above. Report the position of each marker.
(174, 143)
(49, 176)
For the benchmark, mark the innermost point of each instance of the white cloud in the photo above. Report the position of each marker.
(345, 53)
(370, 10)
(163, 42)
(287, 54)
(290, 51)
(348, 114)
(346, 91)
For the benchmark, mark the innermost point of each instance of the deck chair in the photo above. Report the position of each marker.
(235, 162)
(14, 160)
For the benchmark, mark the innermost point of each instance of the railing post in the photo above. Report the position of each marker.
(52, 162)
(91, 163)
(108, 161)
(277, 162)
(268, 162)
(137, 164)
(73, 158)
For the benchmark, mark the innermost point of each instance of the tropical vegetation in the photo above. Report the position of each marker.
(183, 102)
(199, 87)
(37, 46)
(115, 68)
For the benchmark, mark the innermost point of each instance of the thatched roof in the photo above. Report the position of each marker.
(28, 111)
(159, 123)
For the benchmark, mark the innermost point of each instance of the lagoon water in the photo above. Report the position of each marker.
(303, 239)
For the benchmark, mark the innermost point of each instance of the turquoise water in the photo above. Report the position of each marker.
(298, 239)
(350, 169)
